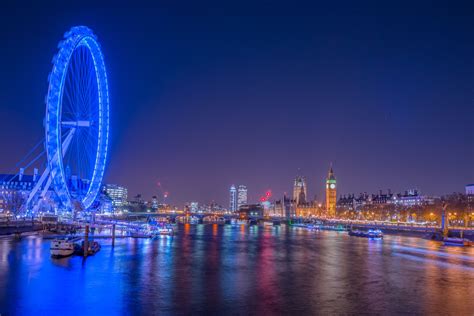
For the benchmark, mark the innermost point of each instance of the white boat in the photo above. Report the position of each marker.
(140, 233)
(152, 231)
(62, 247)
(213, 220)
(164, 231)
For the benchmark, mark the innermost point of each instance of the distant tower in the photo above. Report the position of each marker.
(302, 197)
(331, 194)
(298, 187)
(241, 196)
(233, 198)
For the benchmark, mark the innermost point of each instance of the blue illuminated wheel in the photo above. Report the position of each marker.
(77, 119)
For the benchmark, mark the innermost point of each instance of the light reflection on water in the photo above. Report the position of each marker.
(228, 269)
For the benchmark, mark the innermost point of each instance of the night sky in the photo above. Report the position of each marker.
(204, 95)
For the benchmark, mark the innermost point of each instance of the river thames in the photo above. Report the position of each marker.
(211, 269)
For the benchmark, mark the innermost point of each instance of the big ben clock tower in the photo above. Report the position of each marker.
(331, 195)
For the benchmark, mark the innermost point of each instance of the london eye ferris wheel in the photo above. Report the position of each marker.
(77, 121)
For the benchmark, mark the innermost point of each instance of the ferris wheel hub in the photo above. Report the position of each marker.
(76, 123)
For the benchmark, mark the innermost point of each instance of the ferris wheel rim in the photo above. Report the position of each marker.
(79, 36)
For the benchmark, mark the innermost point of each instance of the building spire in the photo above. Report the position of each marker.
(331, 173)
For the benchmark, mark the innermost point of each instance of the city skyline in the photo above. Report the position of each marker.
(251, 158)
(252, 98)
(300, 185)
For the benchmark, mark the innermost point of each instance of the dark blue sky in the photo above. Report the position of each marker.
(204, 95)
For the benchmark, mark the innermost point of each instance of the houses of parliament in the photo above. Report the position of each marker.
(301, 205)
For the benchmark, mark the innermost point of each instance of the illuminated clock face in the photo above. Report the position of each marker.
(333, 186)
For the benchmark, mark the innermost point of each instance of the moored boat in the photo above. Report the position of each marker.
(371, 233)
(151, 231)
(298, 225)
(375, 233)
(164, 231)
(337, 228)
(62, 247)
(212, 219)
(313, 227)
(92, 249)
(140, 234)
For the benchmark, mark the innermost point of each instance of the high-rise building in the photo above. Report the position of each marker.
(154, 203)
(194, 207)
(299, 190)
(117, 194)
(233, 199)
(331, 194)
(241, 196)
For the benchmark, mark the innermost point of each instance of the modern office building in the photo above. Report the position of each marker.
(233, 199)
(241, 196)
(117, 194)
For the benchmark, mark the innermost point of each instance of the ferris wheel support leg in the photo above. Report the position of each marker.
(46, 174)
(37, 186)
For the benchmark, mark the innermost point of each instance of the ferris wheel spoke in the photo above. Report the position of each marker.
(92, 132)
(90, 143)
(79, 88)
(69, 101)
(86, 72)
(79, 152)
(91, 91)
(72, 82)
(78, 81)
(80, 168)
(85, 165)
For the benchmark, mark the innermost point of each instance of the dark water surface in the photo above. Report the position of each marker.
(210, 269)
